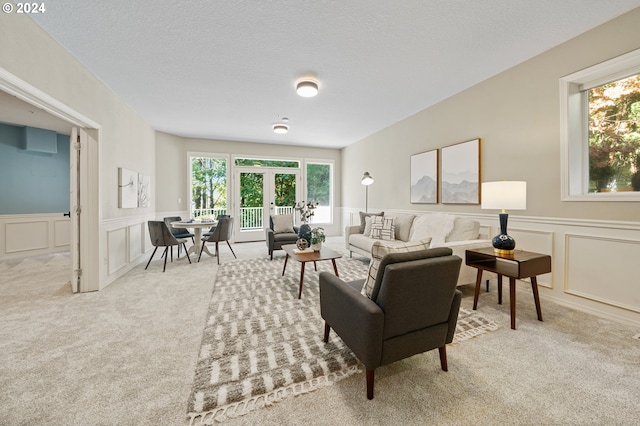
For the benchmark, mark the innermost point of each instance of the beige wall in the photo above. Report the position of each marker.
(516, 114)
(171, 163)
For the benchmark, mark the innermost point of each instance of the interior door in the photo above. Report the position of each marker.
(74, 211)
(261, 192)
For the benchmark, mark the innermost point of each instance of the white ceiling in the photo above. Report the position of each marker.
(226, 69)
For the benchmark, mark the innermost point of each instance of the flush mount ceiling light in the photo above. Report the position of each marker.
(307, 88)
(280, 128)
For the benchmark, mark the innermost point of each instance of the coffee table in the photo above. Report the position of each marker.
(303, 258)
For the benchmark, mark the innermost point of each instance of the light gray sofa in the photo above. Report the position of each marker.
(446, 230)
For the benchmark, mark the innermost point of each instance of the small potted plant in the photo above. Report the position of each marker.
(317, 238)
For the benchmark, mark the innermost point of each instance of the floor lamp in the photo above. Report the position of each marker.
(366, 181)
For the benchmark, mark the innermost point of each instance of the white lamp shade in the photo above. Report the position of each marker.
(504, 195)
(366, 179)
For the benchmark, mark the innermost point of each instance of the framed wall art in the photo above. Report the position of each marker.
(424, 178)
(127, 189)
(460, 175)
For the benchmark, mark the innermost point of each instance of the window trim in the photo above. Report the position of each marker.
(574, 153)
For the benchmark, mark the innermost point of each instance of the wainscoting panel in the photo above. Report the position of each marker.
(603, 269)
(117, 249)
(135, 242)
(61, 233)
(26, 236)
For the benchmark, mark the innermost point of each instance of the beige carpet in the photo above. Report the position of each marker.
(126, 356)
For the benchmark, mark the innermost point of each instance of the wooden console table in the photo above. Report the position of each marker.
(521, 264)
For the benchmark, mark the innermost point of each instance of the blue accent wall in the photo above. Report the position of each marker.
(32, 182)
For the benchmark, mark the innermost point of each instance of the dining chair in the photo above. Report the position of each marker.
(178, 232)
(210, 231)
(161, 236)
(222, 232)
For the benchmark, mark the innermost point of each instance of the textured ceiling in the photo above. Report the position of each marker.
(227, 69)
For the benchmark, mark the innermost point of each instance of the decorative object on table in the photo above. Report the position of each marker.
(424, 178)
(460, 173)
(504, 195)
(302, 244)
(366, 180)
(306, 210)
(282, 373)
(317, 238)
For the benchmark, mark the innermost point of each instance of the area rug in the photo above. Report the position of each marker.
(261, 344)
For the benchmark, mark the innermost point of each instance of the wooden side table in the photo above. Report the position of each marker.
(521, 264)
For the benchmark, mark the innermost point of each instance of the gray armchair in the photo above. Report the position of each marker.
(413, 309)
(276, 241)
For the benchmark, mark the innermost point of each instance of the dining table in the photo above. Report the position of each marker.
(197, 226)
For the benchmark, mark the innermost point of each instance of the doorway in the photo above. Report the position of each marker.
(42, 112)
(259, 193)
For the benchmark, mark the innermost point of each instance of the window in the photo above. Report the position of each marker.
(262, 162)
(319, 190)
(600, 125)
(208, 185)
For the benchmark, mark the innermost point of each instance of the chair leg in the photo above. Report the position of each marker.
(185, 251)
(327, 329)
(201, 249)
(370, 376)
(271, 254)
(166, 249)
(443, 358)
(152, 254)
(234, 254)
(217, 253)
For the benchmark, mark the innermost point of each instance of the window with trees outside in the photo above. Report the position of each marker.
(319, 184)
(601, 131)
(208, 187)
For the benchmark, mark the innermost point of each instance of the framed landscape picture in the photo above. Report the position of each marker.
(424, 178)
(460, 175)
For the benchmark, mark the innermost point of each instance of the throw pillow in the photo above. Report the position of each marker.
(282, 223)
(382, 228)
(434, 225)
(367, 226)
(363, 215)
(464, 230)
(380, 250)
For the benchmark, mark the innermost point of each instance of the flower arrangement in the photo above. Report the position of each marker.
(305, 210)
(317, 235)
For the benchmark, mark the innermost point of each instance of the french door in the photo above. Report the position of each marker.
(260, 192)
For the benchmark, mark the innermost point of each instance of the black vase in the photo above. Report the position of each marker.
(305, 232)
(503, 243)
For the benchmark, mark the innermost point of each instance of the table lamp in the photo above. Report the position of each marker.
(504, 195)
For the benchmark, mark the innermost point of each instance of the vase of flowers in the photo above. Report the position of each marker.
(317, 238)
(306, 212)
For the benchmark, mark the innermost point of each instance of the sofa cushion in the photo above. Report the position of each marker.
(403, 224)
(435, 226)
(362, 221)
(382, 228)
(282, 223)
(464, 229)
(380, 249)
